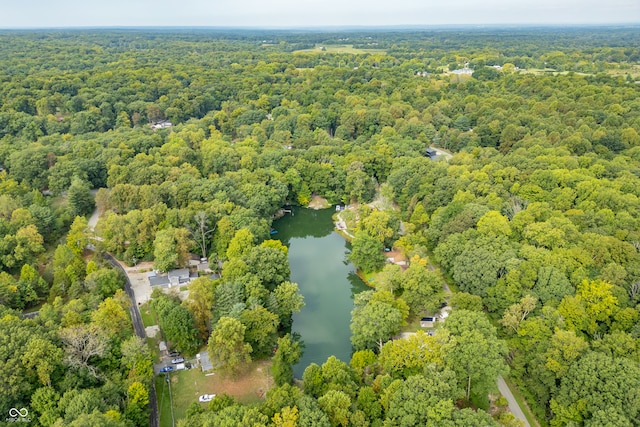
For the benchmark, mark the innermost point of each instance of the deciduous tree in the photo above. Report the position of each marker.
(227, 346)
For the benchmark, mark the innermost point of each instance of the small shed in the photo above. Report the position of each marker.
(428, 322)
(162, 346)
(205, 362)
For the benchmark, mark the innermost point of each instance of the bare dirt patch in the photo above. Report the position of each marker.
(396, 254)
(139, 282)
(318, 202)
(249, 387)
(187, 386)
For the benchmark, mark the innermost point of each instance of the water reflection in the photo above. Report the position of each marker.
(318, 259)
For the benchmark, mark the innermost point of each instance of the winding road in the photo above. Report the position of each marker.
(136, 319)
(502, 385)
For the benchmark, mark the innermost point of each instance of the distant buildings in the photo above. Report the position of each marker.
(465, 70)
(164, 124)
(430, 153)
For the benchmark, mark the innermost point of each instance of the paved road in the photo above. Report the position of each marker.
(513, 404)
(93, 220)
(502, 385)
(139, 329)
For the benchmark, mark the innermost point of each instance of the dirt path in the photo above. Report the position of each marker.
(345, 231)
(93, 220)
(443, 153)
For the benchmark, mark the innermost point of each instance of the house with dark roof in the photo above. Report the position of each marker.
(157, 280)
(177, 277)
(430, 153)
(428, 322)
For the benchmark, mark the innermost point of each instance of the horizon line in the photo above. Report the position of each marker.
(325, 27)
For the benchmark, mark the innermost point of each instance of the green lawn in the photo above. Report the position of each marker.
(149, 317)
(413, 325)
(187, 386)
(184, 391)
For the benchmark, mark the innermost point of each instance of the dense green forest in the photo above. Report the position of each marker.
(534, 220)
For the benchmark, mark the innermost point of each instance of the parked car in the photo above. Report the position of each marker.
(174, 354)
(167, 369)
(177, 360)
(206, 397)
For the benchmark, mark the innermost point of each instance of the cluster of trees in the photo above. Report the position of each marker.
(76, 362)
(549, 241)
(29, 223)
(535, 218)
(119, 80)
(242, 314)
(413, 381)
(253, 302)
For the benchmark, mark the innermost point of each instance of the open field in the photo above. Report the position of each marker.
(633, 71)
(339, 48)
(187, 386)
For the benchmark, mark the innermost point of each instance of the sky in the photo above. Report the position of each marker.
(312, 13)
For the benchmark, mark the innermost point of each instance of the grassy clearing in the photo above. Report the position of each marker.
(339, 48)
(153, 347)
(35, 308)
(187, 386)
(413, 325)
(344, 235)
(537, 71)
(369, 279)
(633, 71)
(149, 317)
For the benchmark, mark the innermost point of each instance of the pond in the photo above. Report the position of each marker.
(319, 265)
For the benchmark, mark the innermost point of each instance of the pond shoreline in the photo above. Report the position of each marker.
(328, 282)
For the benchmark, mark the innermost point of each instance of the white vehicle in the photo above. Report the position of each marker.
(206, 397)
